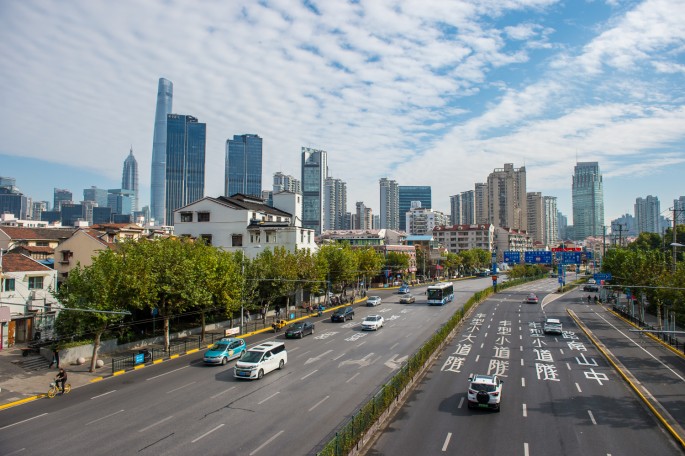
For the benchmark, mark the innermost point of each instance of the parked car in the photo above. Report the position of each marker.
(485, 391)
(407, 299)
(343, 314)
(552, 326)
(373, 301)
(532, 299)
(224, 350)
(261, 360)
(299, 329)
(373, 322)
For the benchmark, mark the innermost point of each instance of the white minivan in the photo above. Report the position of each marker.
(260, 360)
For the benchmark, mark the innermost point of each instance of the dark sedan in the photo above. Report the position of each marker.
(343, 314)
(299, 330)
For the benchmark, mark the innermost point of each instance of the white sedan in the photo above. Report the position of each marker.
(373, 301)
(372, 322)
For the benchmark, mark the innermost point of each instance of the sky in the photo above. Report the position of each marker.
(425, 92)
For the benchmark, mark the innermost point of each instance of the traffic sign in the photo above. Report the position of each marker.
(602, 276)
(538, 257)
(512, 257)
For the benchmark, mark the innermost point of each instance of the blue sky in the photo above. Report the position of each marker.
(424, 92)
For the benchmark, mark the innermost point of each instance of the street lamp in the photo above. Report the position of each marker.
(675, 245)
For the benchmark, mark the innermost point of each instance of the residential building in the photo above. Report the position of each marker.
(536, 217)
(365, 238)
(390, 209)
(468, 207)
(376, 222)
(185, 163)
(551, 237)
(459, 238)
(647, 214)
(409, 193)
(286, 183)
(13, 237)
(129, 178)
(97, 195)
(625, 224)
(679, 208)
(243, 173)
(363, 217)
(165, 93)
(587, 200)
(334, 203)
(61, 196)
(422, 221)
(8, 219)
(37, 207)
(455, 210)
(507, 201)
(314, 173)
(512, 240)
(481, 204)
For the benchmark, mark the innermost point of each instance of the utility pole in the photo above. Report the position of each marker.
(674, 239)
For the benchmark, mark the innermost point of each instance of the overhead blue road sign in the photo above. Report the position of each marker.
(602, 276)
(538, 257)
(512, 257)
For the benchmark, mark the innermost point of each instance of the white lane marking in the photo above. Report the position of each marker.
(359, 345)
(592, 418)
(104, 417)
(311, 373)
(155, 424)
(318, 403)
(486, 336)
(461, 402)
(294, 349)
(489, 325)
(520, 347)
(180, 387)
(520, 337)
(207, 433)
(266, 443)
(640, 347)
(269, 397)
(394, 345)
(224, 391)
(15, 452)
(167, 373)
(523, 382)
(302, 354)
(578, 388)
(561, 350)
(525, 411)
(339, 356)
(568, 366)
(525, 449)
(447, 441)
(23, 421)
(351, 378)
(103, 394)
(482, 345)
(477, 358)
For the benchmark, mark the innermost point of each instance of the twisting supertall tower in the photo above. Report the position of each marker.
(165, 92)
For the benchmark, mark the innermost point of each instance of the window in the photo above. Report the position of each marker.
(36, 283)
(186, 216)
(207, 238)
(42, 244)
(9, 284)
(203, 216)
(237, 240)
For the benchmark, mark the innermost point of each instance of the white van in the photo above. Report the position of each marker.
(260, 360)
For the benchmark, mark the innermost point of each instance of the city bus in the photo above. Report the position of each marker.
(440, 294)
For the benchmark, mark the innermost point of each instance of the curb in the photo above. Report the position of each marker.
(649, 334)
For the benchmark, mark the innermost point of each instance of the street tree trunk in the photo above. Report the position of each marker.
(96, 345)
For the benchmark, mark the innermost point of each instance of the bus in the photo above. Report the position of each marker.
(440, 294)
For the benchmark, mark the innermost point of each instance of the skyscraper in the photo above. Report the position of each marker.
(98, 195)
(455, 209)
(409, 193)
(129, 177)
(551, 229)
(185, 163)
(647, 214)
(587, 200)
(283, 182)
(243, 172)
(468, 207)
(335, 204)
(481, 203)
(507, 201)
(679, 208)
(390, 204)
(165, 92)
(62, 196)
(314, 173)
(536, 216)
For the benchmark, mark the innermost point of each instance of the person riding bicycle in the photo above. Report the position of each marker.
(61, 377)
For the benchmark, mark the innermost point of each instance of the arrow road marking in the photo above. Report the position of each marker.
(317, 358)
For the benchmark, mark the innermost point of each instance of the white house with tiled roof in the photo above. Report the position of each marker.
(26, 300)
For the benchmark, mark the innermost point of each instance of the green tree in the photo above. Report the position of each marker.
(369, 263)
(341, 264)
(397, 262)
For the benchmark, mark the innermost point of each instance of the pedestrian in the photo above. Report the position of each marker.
(247, 315)
(278, 311)
(55, 356)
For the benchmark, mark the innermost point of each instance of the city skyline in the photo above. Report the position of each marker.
(434, 96)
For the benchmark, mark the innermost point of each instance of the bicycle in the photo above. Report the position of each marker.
(54, 389)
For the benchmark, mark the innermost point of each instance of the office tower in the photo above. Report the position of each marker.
(481, 203)
(588, 201)
(98, 195)
(507, 202)
(8, 182)
(14, 202)
(647, 213)
(165, 93)
(243, 173)
(61, 196)
(551, 230)
(376, 222)
(390, 204)
(129, 177)
(283, 182)
(562, 226)
(535, 217)
(409, 193)
(87, 210)
(185, 163)
(679, 208)
(314, 173)
(335, 204)
(455, 209)
(71, 213)
(120, 201)
(37, 207)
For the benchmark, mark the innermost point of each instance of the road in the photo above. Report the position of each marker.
(182, 406)
(560, 396)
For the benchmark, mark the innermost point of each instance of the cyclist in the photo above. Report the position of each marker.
(61, 377)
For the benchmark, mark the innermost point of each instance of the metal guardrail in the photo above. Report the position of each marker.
(665, 337)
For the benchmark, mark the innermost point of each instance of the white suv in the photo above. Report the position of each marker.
(260, 360)
(552, 325)
(485, 391)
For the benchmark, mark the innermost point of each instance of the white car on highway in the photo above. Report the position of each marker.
(372, 322)
(373, 301)
(485, 391)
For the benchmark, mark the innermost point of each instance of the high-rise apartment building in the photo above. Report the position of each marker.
(562, 226)
(679, 207)
(390, 204)
(481, 203)
(363, 217)
(409, 193)
(551, 237)
(129, 178)
(243, 172)
(535, 217)
(507, 200)
(421, 221)
(283, 182)
(61, 196)
(455, 210)
(185, 163)
(588, 200)
(165, 93)
(335, 204)
(314, 173)
(647, 214)
(624, 224)
(468, 207)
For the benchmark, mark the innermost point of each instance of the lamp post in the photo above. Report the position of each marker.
(675, 245)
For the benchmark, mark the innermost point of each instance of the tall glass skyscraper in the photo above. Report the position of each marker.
(185, 162)
(243, 172)
(409, 193)
(62, 196)
(165, 92)
(314, 173)
(129, 178)
(588, 201)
